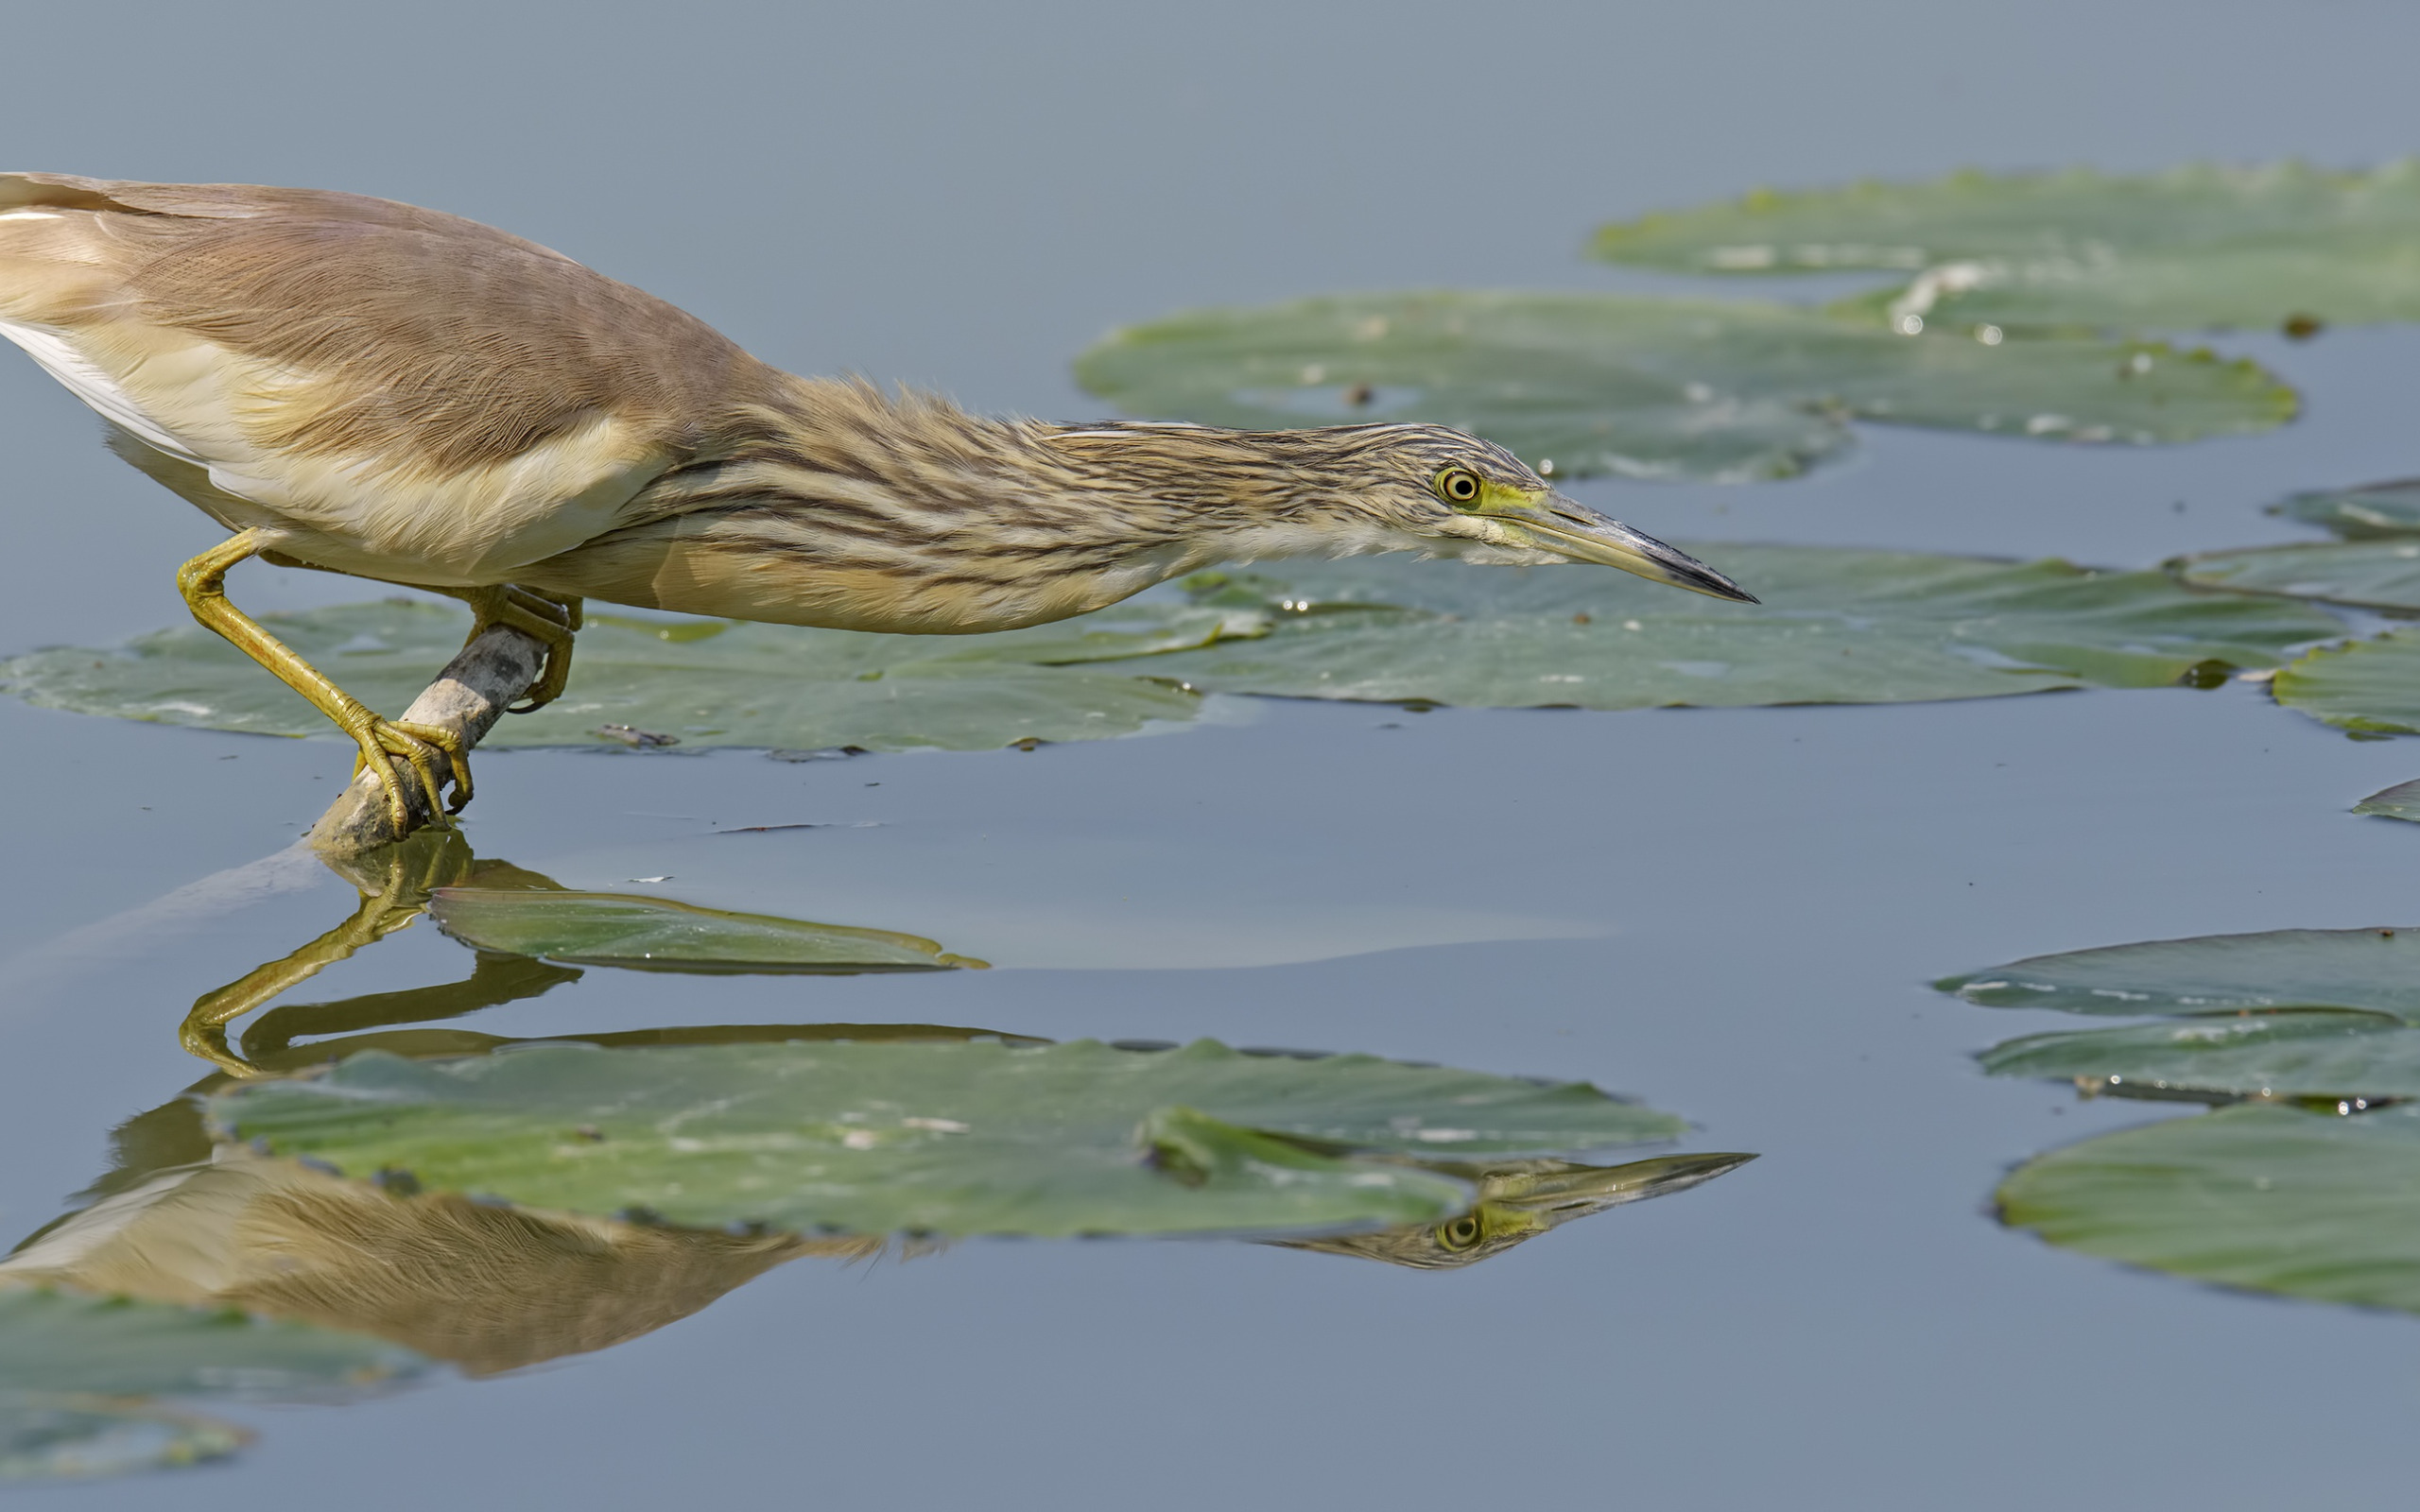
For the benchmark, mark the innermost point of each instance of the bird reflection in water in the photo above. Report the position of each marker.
(491, 1288)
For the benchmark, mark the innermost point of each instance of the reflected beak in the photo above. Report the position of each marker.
(1571, 529)
(1557, 1195)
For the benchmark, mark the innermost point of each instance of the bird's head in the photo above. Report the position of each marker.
(1518, 1200)
(1348, 490)
(1471, 498)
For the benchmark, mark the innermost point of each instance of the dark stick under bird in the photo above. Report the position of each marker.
(367, 388)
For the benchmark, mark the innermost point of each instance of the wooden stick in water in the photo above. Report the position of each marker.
(495, 671)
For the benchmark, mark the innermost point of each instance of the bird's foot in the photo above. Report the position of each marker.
(386, 742)
(544, 618)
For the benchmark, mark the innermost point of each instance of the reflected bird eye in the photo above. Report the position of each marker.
(1461, 1233)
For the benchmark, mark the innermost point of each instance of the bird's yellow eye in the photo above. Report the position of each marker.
(1461, 1233)
(1459, 487)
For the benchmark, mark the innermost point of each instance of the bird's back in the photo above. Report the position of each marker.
(388, 382)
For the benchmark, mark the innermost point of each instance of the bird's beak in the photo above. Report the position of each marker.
(1570, 529)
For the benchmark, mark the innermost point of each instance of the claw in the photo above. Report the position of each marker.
(384, 742)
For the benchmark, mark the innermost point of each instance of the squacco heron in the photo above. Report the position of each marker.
(368, 388)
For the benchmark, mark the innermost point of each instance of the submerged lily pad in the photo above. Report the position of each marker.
(75, 1371)
(1652, 388)
(2364, 971)
(2372, 510)
(656, 934)
(2268, 1199)
(1836, 627)
(2367, 688)
(2367, 574)
(947, 1138)
(710, 682)
(91, 1439)
(2192, 247)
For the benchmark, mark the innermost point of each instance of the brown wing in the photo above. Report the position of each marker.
(433, 343)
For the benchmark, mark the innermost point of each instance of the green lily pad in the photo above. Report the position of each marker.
(2268, 1199)
(2291, 1055)
(2366, 688)
(2374, 511)
(2194, 247)
(1836, 627)
(92, 1438)
(2360, 970)
(2291, 1013)
(1650, 387)
(657, 935)
(2401, 801)
(709, 682)
(58, 1344)
(2367, 574)
(76, 1373)
(934, 1138)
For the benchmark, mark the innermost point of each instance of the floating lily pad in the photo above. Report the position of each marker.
(1649, 387)
(2291, 1013)
(74, 1372)
(2363, 971)
(710, 682)
(2367, 688)
(2269, 1198)
(2368, 512)
(62, 1344)
(2368, 573)
(948, 1138)
(2194, 247)
(2285, 1055)
(1836, 627)
(2401, 801)
(655, 934)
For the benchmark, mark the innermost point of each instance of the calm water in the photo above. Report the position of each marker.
(1732, 914)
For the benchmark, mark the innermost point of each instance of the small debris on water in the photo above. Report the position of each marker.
(667, 877)
(636, 738)
(1359, 395)
(824, 754)
(1582, 619)
(2301, 326)
(1029, 743)
(803, 824)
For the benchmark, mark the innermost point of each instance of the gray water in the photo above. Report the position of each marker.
(1730, 914)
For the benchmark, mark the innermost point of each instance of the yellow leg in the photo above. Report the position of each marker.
(390, 900)
(383, 742)
(544, 617)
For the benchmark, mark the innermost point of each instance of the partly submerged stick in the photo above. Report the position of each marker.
(496, 669)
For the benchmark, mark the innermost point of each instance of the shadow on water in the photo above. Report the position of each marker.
(190, 1218)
